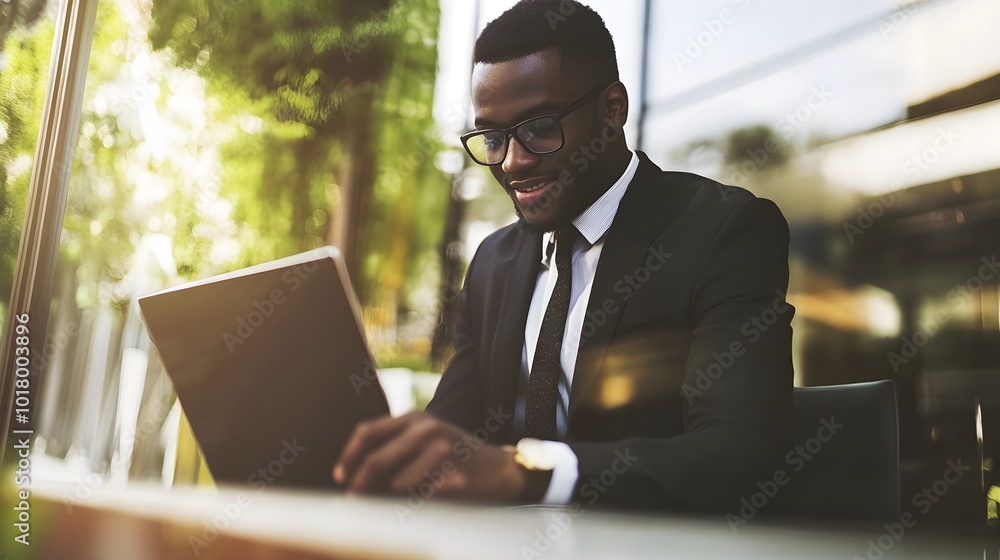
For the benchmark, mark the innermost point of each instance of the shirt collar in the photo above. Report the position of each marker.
(595, 221)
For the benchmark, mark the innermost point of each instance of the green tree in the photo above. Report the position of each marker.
(99, 227)
(742, 143)
(334, 102)
(317, 73)
(24, 62)
(19, 13)
(310, 108)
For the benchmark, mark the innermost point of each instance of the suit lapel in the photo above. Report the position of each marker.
(625, 249)
(508, 341)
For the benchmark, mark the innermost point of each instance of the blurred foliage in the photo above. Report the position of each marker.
(25, 45)
(230, 133)
(101, 227)
(737, 156)
(19, 13)
(760, 143)
(328, 96)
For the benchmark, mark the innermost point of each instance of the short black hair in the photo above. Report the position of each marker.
(577, 31)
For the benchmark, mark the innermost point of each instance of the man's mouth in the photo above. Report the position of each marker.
(532, 193)
(531, 189)
(529, 185)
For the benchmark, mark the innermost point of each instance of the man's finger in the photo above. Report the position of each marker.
(434, 465)
(366, 436)
(381, 465)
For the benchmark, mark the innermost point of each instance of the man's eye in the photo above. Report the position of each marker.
(545, 129)
(493, 142)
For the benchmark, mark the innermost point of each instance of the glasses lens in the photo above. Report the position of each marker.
(541, 135)
(488, 148)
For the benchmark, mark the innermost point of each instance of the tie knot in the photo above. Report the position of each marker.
(564, 238)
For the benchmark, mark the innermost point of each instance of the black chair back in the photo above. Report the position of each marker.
(844, 462)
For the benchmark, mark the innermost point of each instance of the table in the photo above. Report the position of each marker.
(141, 522)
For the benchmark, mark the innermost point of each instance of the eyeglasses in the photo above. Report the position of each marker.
(539, 135)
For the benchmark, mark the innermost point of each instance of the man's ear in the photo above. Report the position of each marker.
(615, 106)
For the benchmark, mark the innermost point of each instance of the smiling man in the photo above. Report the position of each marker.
(602, 350)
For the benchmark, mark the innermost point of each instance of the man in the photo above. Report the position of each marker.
(629, 333)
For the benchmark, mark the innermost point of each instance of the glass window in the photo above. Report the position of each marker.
(26, 30)
(214, 137)
(694, 44)
(873, 126)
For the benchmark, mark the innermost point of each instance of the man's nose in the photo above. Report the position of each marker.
(518, 158)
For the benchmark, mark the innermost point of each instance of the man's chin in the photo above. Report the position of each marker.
(537, 226)
(525, 225)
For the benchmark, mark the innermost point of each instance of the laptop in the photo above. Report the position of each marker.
(271, 366)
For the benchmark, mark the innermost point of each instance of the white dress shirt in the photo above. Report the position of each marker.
(593, 224)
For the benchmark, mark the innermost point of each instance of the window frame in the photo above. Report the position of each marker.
(36, 256)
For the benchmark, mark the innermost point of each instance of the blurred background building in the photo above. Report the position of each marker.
(215, 135)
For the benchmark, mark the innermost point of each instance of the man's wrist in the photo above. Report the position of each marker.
(533, 470)
(536, 483)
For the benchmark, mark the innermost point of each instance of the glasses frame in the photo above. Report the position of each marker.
(511, 132)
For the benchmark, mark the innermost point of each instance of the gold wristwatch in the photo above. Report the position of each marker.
(533, 456)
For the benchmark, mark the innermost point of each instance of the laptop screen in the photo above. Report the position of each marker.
(271, 366)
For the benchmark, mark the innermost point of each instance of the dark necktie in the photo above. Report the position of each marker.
(546, 369)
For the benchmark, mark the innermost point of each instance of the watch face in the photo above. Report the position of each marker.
(533, 455)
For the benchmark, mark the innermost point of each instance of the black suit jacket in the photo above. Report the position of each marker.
(681, 396)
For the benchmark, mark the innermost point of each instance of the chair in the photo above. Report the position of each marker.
(855, 474)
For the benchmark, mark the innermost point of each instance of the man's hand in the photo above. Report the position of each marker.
(394, 455)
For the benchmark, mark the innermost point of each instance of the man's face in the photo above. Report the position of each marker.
(506, 93)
